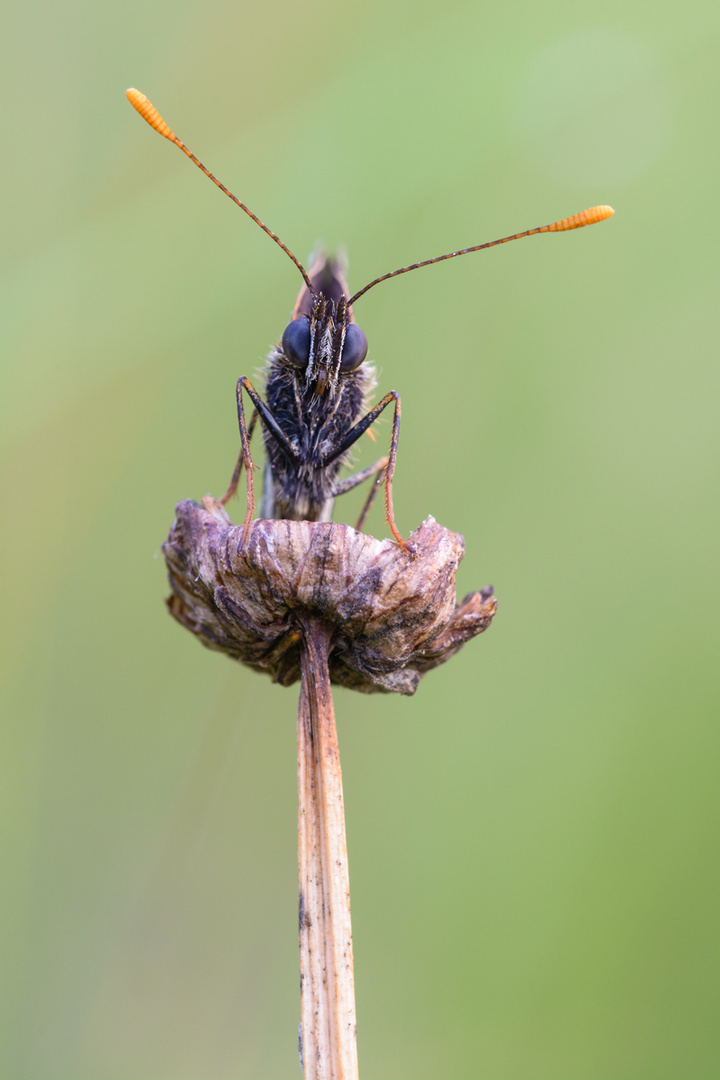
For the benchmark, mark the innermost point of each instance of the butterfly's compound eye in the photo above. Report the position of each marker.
(296, 342)
(354, 349)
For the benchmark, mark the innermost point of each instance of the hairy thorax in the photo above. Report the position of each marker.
(314, 424)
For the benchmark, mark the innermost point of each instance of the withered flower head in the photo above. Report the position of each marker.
(392, 616)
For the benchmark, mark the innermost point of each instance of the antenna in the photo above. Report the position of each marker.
(577, 221)
(148, 112)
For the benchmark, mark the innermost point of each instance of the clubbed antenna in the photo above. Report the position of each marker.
(148, 112)
(577, 221)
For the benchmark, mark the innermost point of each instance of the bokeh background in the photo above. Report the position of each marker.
(533, 837)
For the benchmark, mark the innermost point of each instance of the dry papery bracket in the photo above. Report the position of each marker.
(317, 601)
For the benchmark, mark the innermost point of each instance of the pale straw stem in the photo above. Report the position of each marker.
(327, 987)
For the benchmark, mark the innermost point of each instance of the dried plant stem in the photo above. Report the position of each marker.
(326, 960)
(311, 599)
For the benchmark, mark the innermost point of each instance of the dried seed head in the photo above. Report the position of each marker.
(392, 617)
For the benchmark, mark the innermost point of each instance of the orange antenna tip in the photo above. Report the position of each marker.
(577, 221)
(148, 112)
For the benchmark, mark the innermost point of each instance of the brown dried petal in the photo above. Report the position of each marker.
(393, 616)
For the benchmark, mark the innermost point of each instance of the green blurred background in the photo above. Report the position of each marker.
(533, 837)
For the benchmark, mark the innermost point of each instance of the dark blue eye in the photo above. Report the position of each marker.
(296, 342)
(354, 349)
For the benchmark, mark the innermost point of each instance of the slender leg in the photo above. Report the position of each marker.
(268, 419)
(389, 473)
(369, 501)
(375, 470)
(232, 489)
(249, 466)
(245, 458)
(354, 434)
(358, 478)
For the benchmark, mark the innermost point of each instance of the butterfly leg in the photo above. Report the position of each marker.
(374, 487)
(233, 486)
(245, 458)
(354, 434)
(376, 470)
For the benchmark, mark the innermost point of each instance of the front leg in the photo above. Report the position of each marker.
(245, 458)
(354, 434)
(235, 480)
